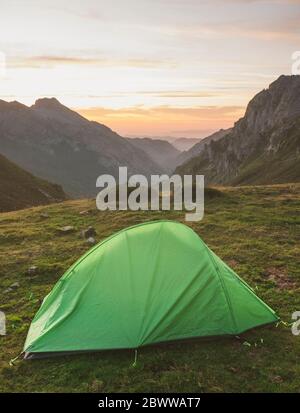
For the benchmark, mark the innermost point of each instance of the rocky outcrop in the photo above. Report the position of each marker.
(263, 146)
(200, 146)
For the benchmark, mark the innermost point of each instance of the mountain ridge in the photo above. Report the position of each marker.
(58, 144)
(268, 134)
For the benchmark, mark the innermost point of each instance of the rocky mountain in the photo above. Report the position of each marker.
(264, 145)
(200, 145)
(160, 151)
(20, 189)
(57, 144)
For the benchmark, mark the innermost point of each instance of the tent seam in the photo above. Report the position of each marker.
(114, 235)
(223, 286)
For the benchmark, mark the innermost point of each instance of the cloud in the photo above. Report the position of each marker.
(178, 94)
(207, 112)
(45, 61)
(165, 120)
(159, 94)
(287, 30)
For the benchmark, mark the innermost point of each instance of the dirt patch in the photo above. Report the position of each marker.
(280, 278)
(232, 263)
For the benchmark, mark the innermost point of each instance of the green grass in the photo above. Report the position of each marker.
(254, 229)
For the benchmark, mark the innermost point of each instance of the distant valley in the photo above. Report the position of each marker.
(160, 151)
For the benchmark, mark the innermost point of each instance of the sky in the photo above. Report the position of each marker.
(181, 68)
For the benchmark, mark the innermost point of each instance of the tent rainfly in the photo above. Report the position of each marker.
(146, 284)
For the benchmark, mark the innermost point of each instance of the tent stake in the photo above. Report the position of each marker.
(12, 361)
(135, 358)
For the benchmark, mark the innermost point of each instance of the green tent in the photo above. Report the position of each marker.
(146, 284)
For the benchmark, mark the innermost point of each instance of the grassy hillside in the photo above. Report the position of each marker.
(20, 189)
(254, 229)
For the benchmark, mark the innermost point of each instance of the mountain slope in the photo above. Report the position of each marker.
(199, 146)
(183, 144)
(263, 147)
(19, 189)
(160, 151)
(56, 143)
